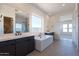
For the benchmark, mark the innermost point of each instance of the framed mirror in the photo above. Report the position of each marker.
(22, 22)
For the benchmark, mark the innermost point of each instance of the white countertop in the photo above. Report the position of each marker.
(6, 37)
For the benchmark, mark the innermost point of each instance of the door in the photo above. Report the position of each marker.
(66, 29)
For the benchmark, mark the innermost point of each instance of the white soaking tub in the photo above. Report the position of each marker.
(43, 42)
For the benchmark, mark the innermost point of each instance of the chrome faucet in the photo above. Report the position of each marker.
(18, 33)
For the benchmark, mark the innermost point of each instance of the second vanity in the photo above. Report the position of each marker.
(21, 45)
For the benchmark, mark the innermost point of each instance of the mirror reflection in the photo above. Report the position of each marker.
(21, 22)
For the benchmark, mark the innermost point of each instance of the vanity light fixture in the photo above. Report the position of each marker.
(1, 16)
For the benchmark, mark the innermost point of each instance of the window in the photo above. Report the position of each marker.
(64, 27)
(19, 27)
(70, 27)
(67, 27)
(36, 24)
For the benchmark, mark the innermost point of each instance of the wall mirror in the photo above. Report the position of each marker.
(22, 22)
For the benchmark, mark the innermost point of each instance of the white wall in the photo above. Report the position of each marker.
(46, 23)
(75, 26)
(9, 10)
(56, 22)
(78, 27)
(1, 26)
(54, 26)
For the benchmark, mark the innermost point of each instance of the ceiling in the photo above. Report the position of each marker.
(54, 8)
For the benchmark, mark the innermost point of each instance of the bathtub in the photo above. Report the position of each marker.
(41, 43)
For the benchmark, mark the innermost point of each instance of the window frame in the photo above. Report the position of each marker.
(68, 28)
(21, 26)
(42, 22)
(65, 28)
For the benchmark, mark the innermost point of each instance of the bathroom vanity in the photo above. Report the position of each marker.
(25, 45)
(18, 46)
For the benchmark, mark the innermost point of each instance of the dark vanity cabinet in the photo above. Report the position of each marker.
(18, 47)
(8, 48)
(25, 45)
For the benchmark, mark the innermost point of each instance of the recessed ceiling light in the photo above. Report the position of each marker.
(63, 4)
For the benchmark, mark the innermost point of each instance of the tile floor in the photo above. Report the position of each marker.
(57, 48)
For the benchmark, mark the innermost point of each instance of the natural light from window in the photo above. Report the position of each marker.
(64, 27)
(18, 27)
(67, 27)
(36, 24)
(70, 27)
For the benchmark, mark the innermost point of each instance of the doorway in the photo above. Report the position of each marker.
(66, 30)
